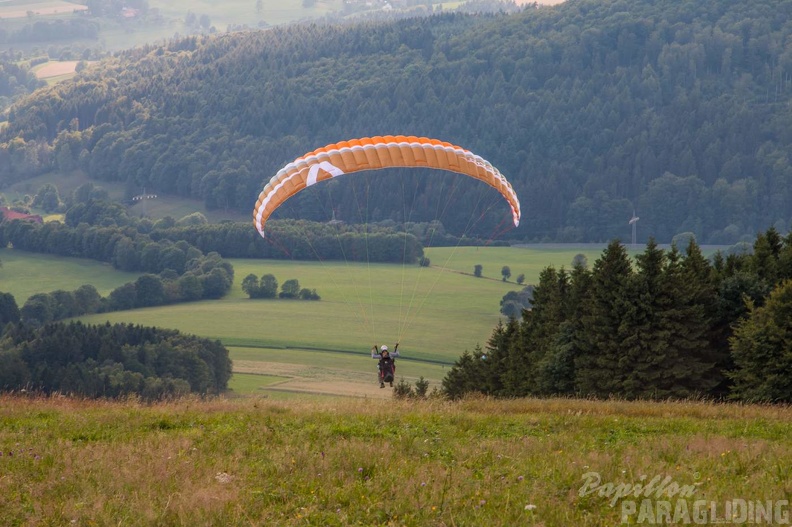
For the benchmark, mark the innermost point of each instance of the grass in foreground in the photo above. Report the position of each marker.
(361, 462)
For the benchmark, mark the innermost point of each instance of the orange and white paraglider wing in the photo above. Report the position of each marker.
(372, 153)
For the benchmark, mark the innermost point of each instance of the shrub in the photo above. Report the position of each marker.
(402, 390)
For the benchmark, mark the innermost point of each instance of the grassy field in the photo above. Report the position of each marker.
(436, 313)
(116, 35)
(223, 13)
(23, 274)
(322, 347)
(342, 462)
(23, 8)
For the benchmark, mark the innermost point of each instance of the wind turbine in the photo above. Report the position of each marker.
(633, 221)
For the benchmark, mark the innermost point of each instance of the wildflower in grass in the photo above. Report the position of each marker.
(530, 507)
(223, 477)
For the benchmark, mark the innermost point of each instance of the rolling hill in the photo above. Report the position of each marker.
(593, 109)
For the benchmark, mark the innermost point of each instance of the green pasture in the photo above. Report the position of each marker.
(7, 6)
(359, 362)
(436, 312)
(167, 18)
(258, 385)
(250, 383)
(528, 260)
(24, 274)
(223, 13)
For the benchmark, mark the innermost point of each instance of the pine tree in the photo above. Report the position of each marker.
(688, 367)
(700, 285)
(644, 346)
(600, 363)
(767, 249)
(495, 366)
(464, 376)
(762, 350)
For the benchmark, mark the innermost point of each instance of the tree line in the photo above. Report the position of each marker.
(593, 109)
(666, 325)
(174, 272)
(119, 360)
(301, 240)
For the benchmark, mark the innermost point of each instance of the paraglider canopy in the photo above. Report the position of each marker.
(372, 153)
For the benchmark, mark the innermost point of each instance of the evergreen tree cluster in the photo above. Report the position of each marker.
(677, 109)
(111, 361)
(668, 325)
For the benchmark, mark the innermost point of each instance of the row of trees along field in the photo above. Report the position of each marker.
(668, 325)
(110, 361)
(595, 108)
(88, 205)
(175, 271)
(305, 240)
(183, 260)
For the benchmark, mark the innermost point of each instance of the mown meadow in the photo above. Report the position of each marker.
(254, 461)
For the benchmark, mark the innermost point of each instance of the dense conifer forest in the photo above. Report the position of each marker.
(120, 360)
(595, 108)
(671, 324)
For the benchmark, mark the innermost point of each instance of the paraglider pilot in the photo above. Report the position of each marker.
(387, 364)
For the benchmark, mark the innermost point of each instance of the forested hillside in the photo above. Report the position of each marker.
(677, 109)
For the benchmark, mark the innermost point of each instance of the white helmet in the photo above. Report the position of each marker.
(384, 348)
